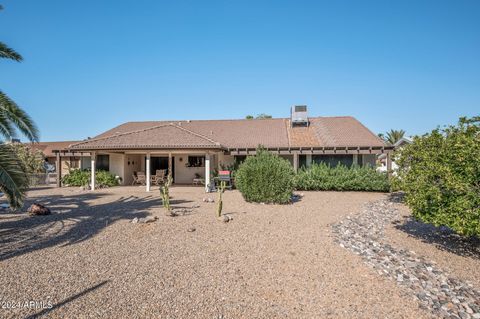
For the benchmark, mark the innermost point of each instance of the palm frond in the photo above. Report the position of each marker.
(394, 136)
(9, 53)
(6, 129)
(18, 117)
(13, 179)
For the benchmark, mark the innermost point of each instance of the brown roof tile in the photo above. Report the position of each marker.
(271, 133)
(158, 136)
(47, 148)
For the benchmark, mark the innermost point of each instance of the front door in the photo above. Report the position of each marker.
(161, 162)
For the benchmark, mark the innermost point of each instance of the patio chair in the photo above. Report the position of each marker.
(160, 176)
(139, 178)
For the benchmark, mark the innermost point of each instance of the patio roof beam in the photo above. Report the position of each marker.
(319, 151)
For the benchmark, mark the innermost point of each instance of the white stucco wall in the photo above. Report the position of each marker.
(183, 174)
(116, 165)
(132, 163)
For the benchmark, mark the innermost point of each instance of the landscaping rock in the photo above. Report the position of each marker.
(191, 229)
(144, 220)
(435, 289)
(226, 218)
(208, 200)
(149, 219)
(38, 209)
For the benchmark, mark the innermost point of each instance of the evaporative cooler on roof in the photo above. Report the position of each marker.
(299, 115)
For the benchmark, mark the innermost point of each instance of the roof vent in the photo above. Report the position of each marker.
(299, 115)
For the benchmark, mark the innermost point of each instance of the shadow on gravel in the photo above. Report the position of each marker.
(69, 299)
(74, 219)
(441, 237)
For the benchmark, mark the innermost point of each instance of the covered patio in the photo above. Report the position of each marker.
(182, 165)
(190, 151)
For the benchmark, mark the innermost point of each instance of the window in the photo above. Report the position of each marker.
(196, 161)
(239, 159)
(302, 161)
(333, 160)
(102, 163)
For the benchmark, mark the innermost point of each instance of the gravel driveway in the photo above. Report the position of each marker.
(89, 261)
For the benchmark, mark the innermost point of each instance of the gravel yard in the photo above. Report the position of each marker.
(270, 261)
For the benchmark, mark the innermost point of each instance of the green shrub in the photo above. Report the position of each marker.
(79, 177)
(440, 173)
(76, 177)
(265, 178)
(105, 179)
(341, 178)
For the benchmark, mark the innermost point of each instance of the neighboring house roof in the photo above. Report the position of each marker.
(403, 141)
(47, 148)
(232, 134)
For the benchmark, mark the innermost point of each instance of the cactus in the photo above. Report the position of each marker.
(164, 192)
(221, 189)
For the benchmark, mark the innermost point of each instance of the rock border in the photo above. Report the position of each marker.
(437, 291)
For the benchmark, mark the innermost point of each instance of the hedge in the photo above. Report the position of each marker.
(79, 177)
(341, 178)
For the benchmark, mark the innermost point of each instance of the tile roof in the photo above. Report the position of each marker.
(232, 134)
(47, 148)
(157, 136)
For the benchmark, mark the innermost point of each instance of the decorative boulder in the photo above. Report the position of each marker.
(38, 209)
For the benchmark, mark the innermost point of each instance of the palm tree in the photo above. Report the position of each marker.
(393, 136)
(13, 176)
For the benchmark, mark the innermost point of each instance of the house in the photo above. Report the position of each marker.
(383, 160)
(65, 160)
(192, 148)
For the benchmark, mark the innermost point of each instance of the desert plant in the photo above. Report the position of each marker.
(341, 178)
(165, 193)
(265, 178)
(440, 173)
(220, 190)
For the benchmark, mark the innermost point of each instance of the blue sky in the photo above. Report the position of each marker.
(90, 65)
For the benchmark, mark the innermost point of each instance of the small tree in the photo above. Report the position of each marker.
(165, 193)
(440, 174)
(265, 178)
(31, 159)
(259, 116)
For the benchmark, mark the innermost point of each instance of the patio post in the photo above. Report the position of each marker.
(388, 159)
(58, 168)
(92, 170)
(170, 165)
(309, 160)
(295, 161)
(207, 173)
(147, 168)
